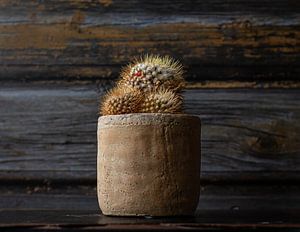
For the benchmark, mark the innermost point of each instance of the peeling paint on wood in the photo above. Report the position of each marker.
(201, 39)
(83, 37)
(105, 3)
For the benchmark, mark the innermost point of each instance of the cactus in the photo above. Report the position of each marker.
(162, 101)
(152, 72)
(121, 101)
(151, 84)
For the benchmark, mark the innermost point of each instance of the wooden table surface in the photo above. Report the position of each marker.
(225, 207)
(90, 220)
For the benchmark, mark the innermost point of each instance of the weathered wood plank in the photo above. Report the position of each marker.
(80, 196)
(90, 39)
(275, 7)
(249, 130)
(215, 84)
(229, 205)
(49, 130)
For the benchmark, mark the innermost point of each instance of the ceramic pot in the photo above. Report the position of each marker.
(148, 164)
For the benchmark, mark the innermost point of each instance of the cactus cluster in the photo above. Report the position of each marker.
(151, 84)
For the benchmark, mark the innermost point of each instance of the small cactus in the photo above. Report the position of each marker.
(151, 84)
(121, 101)
(162, 101)
(152, 72)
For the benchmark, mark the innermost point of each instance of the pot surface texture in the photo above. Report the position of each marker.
(148, 164)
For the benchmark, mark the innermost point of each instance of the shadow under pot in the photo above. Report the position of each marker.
(148, 164)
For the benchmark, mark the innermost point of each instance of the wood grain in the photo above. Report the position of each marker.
(236, 40)
(241, 207)
(75, 196)
(49, 131)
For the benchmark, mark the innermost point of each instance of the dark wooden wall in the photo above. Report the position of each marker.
(58, 57)
(217, 39)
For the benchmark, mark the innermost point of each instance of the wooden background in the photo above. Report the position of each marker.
(58, 57)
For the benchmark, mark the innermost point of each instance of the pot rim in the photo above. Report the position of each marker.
(150, 115)
(147, 119)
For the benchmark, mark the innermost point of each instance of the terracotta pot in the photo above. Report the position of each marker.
(148, 164)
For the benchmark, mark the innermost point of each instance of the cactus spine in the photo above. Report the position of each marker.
(151, 72)
(121, 101)
(151, 84)
(162, 101)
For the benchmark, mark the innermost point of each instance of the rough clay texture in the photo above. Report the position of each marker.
(148, 164)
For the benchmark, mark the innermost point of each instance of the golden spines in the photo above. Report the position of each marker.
(121, 101)
(152, 72)
(151, 84)
(162, 101)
